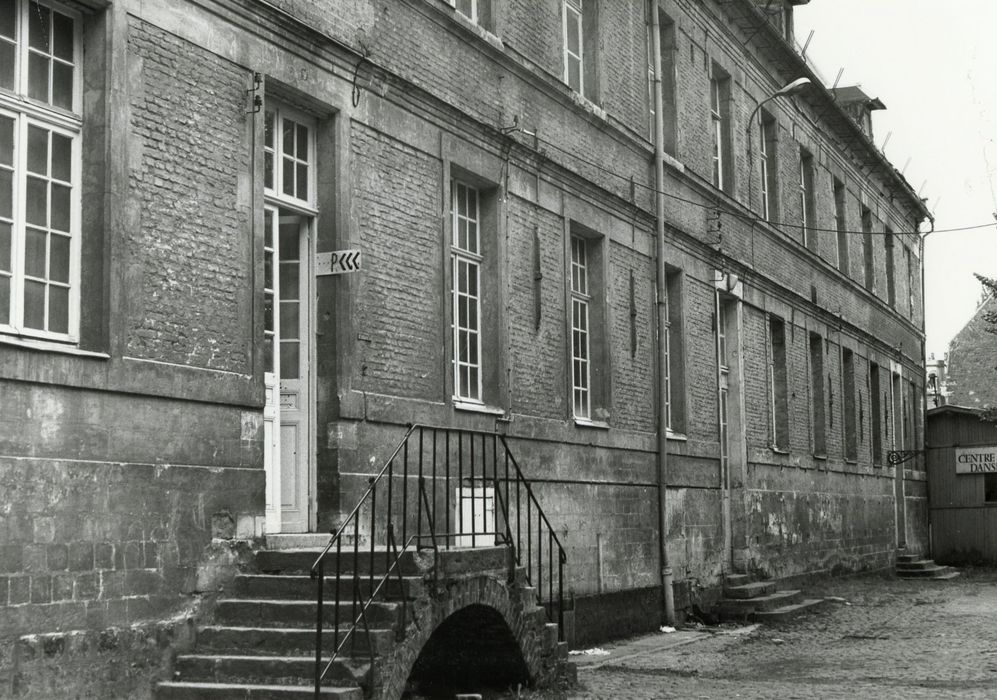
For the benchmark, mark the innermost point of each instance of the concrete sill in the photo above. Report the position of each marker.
(50, 346)
(677, 437)
(471, 407)
(586, 423)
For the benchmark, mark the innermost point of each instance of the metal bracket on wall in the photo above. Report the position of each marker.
(257, 100)
(895, 457)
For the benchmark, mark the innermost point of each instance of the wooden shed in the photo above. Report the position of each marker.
(961, 446)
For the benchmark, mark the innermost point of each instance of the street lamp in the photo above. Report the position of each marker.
(792, 88)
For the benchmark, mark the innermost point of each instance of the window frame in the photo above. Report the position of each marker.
(778, 376)
(767, 150)
(576, 9)
(25, 113)
(868, 262)
(718, 130)
(469, 259)
(475, 10)
(806, 198)
(818, 396)
(889, 244)
(581, 332)
(848, 405)
(282, 111)
(839, 194)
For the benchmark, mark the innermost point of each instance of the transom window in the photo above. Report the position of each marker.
(467, 262)
(288, 155)
(40, 126)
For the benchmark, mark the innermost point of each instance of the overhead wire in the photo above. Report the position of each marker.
(750, 218)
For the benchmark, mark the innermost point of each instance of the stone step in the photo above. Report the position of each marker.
(933, 571)
(915, 565)
(786, 612)
(300, 561)
(179, 690)
(738, 607)
(301, 586)
(737, 579)
(299, 613)
(288, 641)
(270, 670)
(754, 589)
(907, 557)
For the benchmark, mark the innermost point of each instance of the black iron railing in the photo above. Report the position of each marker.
(441, 488)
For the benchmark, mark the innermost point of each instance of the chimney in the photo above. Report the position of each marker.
(858, 105)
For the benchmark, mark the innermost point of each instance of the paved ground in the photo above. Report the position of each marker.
(884, 638)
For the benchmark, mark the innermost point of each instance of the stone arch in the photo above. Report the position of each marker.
(473, 648)
(487, 602)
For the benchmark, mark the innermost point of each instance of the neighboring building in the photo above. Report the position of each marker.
(936, 384)
(961, 448)
(971, 373)
(179, 375)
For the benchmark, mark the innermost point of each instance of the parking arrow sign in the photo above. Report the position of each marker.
(338, 262)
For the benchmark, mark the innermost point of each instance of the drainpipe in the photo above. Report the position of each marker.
(668, 595)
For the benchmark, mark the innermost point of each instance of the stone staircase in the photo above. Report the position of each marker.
(261, 642)
(912, 566)
(760, 601)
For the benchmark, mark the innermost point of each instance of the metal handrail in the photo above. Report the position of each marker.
(469, 460)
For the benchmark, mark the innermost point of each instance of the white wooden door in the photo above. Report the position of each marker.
(293, 332)
(271, 359)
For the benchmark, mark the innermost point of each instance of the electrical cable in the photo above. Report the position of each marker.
(750, 218)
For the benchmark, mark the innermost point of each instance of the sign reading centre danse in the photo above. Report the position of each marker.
(976, 460)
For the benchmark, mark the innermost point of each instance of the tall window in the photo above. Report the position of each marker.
(869, 270)
(778, 384)
(581, 330)
(574, 45)
(806, 191)
(468, 8)
(466, 266)
(848, 402)
(770, 169)
(891, 282)
(840, 224)
(909, 256)
(40, 125)
(817, 394)
(674, 346)
(876, 399)
(667, 40)
(720, 129)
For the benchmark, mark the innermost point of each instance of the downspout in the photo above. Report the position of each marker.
(668, 594)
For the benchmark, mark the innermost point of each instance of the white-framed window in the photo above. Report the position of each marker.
(806, 192)
(581, 330)
(468, 8)
(778, 384)
(840, 224)
(40, 152)
(674, 379)
(770, 170)
(467, 263)
(716, 115)
(574, 62)
(288, 155)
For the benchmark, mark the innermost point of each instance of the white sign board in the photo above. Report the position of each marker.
(976, 460)
(338, 262)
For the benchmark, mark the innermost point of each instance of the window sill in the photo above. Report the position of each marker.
(50, 346)
(820, 457)
(586, 423)
(779, 450)
(472, 407)
(677, 437)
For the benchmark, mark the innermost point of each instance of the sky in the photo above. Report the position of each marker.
(934, 65)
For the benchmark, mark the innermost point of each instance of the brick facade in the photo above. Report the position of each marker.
(125, 456)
